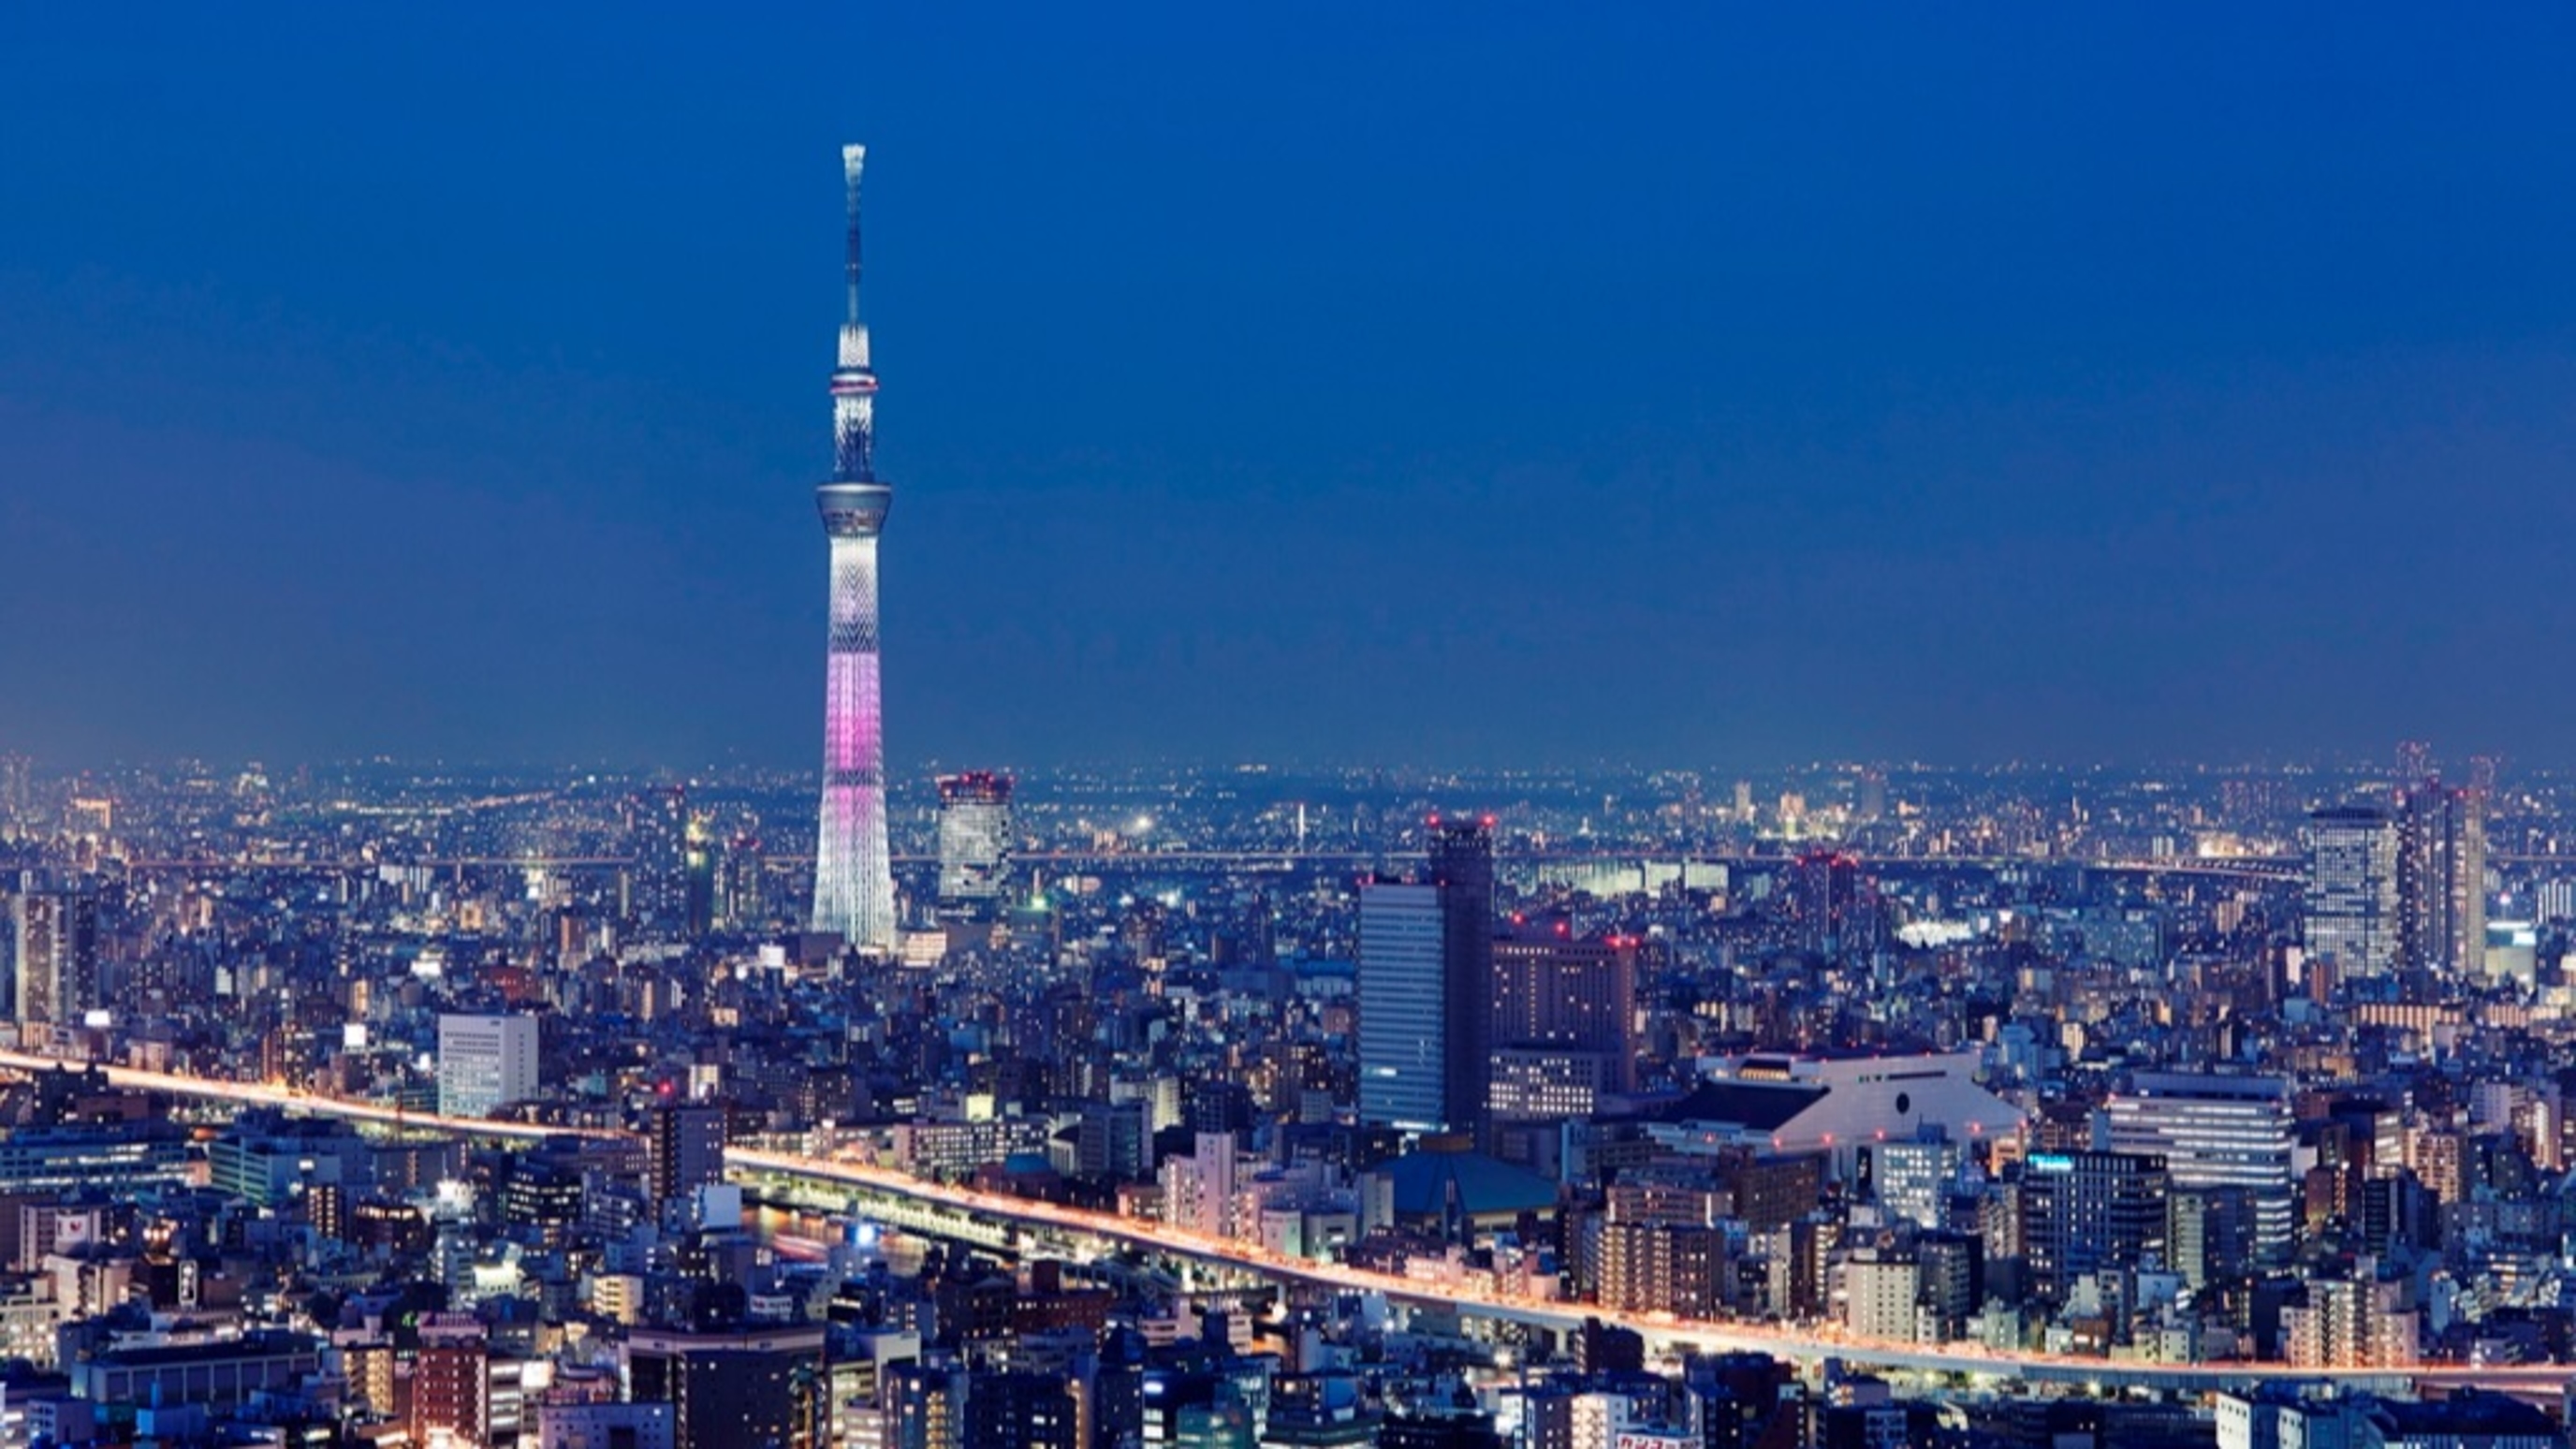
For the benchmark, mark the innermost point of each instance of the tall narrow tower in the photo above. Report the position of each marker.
(853, 877)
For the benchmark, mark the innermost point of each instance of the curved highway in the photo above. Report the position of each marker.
(1803, 1342)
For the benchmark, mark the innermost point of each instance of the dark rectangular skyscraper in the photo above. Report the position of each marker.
(2083, 1212)
(1462, 869)
(687, 1150)
(1834, 914)
(2441, 879)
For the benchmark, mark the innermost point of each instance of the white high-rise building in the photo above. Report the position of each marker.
(1880, 1289)
(1199, 1190)
(1403, 1032)
(2352, 890)
(1915, 1180)
(485, 1063)
(2216, 1132)
(974, 843)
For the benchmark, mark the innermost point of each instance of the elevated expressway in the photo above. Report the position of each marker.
(1022, 1225)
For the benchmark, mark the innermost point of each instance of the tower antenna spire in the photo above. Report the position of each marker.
(854, 381)
(852, 159)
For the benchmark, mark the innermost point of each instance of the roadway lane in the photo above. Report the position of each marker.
(1799, 1343)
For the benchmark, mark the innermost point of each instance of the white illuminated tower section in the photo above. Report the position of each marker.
(853, 877)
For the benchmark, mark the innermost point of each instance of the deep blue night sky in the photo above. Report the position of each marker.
(1704, 385)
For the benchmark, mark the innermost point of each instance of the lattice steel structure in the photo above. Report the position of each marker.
(853, 876)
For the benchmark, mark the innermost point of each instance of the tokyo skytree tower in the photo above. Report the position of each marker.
(853, 876)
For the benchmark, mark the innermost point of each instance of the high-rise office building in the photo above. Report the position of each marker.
(1199, 1189)
(853, 869)
(1427, 987)
(1882, 1286)
(658, 880)
(485, 1063)
(1426, 980)
(2351, 1323)
(1461, 868)
(742, 900)
(2210, 1233)
(1835, 913)
(2216, 1132)
(2352, 905)
(2083, 1212)
(2441, 878)
(54, 950)
(1552, 989)
(974, 844)
(1403, 1025)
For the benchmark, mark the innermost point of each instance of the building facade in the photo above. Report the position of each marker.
(2085, 1212)
(54, 951)
(2352, 909)
(1403, 1023)
(485, 1063)
(2217, 1132)
(1461, 867)
(2441, 878)
(974, 844)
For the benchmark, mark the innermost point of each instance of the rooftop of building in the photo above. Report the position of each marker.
(1428, 1184)
(1757, 1106)
(2468, 1412)
(262, 1343)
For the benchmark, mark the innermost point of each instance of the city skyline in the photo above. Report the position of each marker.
(1918, 1073)
(1967, 850)
(1871, 440)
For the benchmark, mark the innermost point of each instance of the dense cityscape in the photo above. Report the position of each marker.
(930, 1101)
(2254, 1070)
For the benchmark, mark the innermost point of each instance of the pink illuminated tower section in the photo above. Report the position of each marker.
(853, 877)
